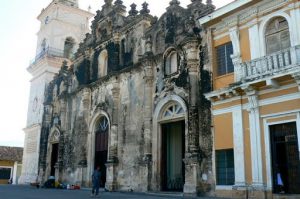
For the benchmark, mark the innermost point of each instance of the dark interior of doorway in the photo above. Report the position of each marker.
(101, 151)
(169, 145)
(285, 158)
(54, 158)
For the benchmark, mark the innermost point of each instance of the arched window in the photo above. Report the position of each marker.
(277, 35)
(171, 64)
(173, 110)
(102, 64)
(69, 47)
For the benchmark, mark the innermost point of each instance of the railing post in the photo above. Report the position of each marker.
(293, 55)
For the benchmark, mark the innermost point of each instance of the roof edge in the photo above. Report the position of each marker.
(223, 10)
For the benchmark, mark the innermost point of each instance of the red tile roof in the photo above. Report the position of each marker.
(11, 153)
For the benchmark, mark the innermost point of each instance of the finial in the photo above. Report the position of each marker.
(89, 8)
(209, 2)
(108, 2)
(118, 2)
(133, 11)
(174, 2)
(145, 9)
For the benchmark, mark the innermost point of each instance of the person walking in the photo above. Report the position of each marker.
(96, 178)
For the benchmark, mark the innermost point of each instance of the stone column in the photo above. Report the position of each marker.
(192, 161)
(82, 164)
(255, 141)
(42, 177)
(148, 62)
(111, 176)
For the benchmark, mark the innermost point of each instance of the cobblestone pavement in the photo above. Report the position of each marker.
(27, 192)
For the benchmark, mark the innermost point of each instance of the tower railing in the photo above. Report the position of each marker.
(49, 52)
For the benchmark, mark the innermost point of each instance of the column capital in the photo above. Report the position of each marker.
(296, 76)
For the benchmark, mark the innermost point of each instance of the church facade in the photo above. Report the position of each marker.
(131, 101)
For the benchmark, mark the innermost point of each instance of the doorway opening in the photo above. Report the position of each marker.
(285, 158)
(173, 150)
(54, 158)
(101, 148)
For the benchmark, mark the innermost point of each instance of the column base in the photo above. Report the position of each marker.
(111, 177)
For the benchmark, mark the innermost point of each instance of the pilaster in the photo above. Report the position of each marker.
(111, 166)
(255, 138)
(192, 157)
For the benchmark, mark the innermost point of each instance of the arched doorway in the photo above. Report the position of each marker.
(101, 147)
(172, 122)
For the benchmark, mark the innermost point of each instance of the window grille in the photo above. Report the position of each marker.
(224, 61)
(225, 167)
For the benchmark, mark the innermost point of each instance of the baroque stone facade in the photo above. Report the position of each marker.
(132, 102)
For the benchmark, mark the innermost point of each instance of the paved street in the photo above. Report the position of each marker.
(27, 192)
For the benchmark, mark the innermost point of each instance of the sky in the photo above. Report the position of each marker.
(17, 47)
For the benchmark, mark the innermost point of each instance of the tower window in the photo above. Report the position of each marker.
(69, 47)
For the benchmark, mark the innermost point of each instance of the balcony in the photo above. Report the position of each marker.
(49, 52)
(273, 65)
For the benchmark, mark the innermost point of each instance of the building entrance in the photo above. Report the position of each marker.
(101, 148)
(285, 158)
(173, 147)
(54, 158)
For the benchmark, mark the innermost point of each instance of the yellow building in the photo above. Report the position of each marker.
(254, 50)
(10, 164)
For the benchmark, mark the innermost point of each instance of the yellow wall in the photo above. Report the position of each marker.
(245, 45)
(223, 131)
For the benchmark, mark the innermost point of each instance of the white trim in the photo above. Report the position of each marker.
(254, 40)
(219, 36)
(265, 22)
(15, 173)
(224, 187)
(223, 10)
(274, 100)
(271, 90)
(255, 141)
(11, 170)
(238, 142)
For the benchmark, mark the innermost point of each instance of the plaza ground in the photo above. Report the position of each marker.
(28, 192)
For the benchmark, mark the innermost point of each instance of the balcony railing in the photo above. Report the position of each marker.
(50, 52)
(269, 65)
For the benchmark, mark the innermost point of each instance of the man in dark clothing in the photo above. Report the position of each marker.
(96, 177)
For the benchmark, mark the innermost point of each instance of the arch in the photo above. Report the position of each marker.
(263, 27)
(69, 47)
(161, 107)
(102, 63)
(91, 139)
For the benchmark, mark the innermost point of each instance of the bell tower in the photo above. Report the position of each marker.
(63, 26)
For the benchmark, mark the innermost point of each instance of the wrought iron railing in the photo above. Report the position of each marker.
(50, 52)
(268, 65)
